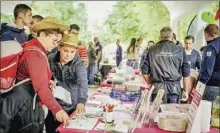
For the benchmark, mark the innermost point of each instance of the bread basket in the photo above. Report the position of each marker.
(175, 122)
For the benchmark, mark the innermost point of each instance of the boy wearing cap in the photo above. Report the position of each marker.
(70, 73)
(17, 106)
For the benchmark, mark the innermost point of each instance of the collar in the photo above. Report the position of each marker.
(40, 45)
(36, 43)
(188, 52)
(212, 40)
(14, 26)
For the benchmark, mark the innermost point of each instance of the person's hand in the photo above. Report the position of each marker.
(52, 84)
(96, 61)
(86, 64)
(80, 108)
(62, 116)
(185, 96)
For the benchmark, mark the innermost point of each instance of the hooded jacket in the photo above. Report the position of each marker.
(11, 32)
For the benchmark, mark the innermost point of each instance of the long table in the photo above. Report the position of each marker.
(144, 129)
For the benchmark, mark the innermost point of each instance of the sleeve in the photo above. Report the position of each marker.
(207, 65)
(145, 67)
(185, 66)
(82, 83)
(6, 37)
(198, 61)
(142, 58)
(37, 63)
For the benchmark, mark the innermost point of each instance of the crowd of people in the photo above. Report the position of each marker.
(53, 56)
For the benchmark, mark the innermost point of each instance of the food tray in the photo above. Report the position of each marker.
(175, 122)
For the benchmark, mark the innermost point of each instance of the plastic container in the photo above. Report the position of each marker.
(125, 95)
(216, 113)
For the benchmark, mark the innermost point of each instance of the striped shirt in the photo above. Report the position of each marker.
(83, 55)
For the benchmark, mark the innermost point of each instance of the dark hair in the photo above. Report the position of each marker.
(139, 39)
(174, 36)
(20, 8)
(132, 45)
(80, 42)
(74, 26)
(151, 41)
(49, 31)
(190, 37)
(38, 17)
(212, 30)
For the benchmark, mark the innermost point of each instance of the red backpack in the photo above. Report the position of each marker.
(10, 52)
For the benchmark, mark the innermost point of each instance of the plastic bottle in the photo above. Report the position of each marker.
(216, 113)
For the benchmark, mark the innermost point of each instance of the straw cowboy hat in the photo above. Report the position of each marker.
(49, 23)
(70, 40)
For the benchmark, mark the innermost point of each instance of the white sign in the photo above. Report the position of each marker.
(193, 113)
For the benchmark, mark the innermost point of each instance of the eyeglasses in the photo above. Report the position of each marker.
(54, 39)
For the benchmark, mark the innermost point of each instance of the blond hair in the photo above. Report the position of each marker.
(165, 33)
(212, 30)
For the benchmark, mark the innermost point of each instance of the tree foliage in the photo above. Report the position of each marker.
(6, 18)
(215, 6)
(65, 11)
(183, 26)
(138, 19)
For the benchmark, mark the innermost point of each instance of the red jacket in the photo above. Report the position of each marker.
(34, 65)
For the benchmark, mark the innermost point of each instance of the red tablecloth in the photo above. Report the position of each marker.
(136, 71)
(144, 129)
(154, 129)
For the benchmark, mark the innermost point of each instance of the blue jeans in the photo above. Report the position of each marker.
(90, 73)
(118, 61)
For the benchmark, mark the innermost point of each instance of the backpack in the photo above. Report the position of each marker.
(10, 52)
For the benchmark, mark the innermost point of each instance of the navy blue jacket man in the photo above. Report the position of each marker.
(118, 53)
(210, 67)
(193, 56)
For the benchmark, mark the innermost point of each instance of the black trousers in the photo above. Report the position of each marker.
(51, 123)
(17, 114)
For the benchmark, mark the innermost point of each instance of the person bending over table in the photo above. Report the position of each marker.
(70, 73)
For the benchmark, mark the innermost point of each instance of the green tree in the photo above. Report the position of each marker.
(138, 19)
(215, 6)
(5, 18)
(183, 26)
(65, 12)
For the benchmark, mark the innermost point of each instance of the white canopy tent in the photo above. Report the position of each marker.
(177, 9)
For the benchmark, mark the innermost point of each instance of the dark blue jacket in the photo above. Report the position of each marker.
(166, 63)
(194, 59)
(118, 52)
(11, 33)
(71, 76)
(210, 68)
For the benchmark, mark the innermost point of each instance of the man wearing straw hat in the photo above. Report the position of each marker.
(70, 73)
(21, 109)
